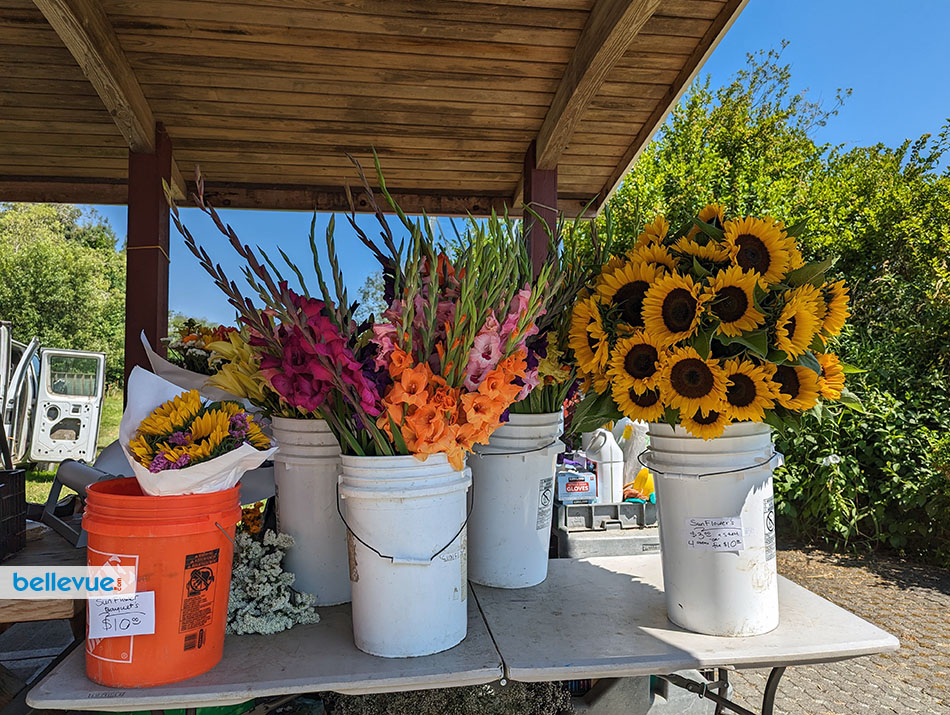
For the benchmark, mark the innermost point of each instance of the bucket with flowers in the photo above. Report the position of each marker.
(714, 335)
(513, 475)
(174, 523)
(405, 399)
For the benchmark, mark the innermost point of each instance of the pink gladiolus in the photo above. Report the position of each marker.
(531, 380)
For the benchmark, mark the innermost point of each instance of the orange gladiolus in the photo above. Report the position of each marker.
(399, 360)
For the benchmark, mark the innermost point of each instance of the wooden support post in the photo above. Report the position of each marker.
(540, 193)
(146, 277)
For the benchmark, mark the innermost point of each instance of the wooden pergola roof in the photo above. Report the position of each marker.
(266, 95)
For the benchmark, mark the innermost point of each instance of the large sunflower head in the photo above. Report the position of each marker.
(654, 232)
(690, 384)
(587, 337)
(757, 246)
(624, 289)
(645, 405)
(749, 391)
(635, 362)
(672, 308)
(710, 251)
(707, 426)
(731, 299)
(797, 387)
(713, 214)
(612, 264)
(656, 254)
(835, 298)
(831, 380)
(797, 324)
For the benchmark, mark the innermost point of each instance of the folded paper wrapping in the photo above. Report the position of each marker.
(185, 379)
(146, 392)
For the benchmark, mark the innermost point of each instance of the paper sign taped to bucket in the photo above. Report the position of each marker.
(720, 533)
(114, 617)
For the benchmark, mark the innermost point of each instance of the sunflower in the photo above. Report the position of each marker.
(690, 383)
(600, 383)
(713, 214)
(708, 426)
(646, 405)
(635, 362)
(612, 264)
(836, 301)
(749, 391)
(797, 325)
(655, 254)
(672, 308)
(831, 380)
(654, 232)
(758, 246)
(731, 299)
(587, 337)
(797, 387)
(710, 251)
(171, 415)
(625, 289)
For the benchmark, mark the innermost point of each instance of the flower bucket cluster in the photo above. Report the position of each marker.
(722, 323)
(184, 431)
(435, 373)
(191, 347)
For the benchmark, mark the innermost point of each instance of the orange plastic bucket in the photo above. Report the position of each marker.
(181, 547)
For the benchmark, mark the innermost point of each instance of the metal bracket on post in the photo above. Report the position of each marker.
(723, 704)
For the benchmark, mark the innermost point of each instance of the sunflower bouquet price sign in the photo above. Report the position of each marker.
(714, 335)
(723, 324)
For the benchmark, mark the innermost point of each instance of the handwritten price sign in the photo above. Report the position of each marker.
(715, 533)
(111, 617)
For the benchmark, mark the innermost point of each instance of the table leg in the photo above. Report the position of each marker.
(771, 688)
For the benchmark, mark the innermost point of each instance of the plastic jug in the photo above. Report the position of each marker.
(607, 455)
(633, 447)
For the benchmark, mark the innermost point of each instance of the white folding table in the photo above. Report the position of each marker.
(591, 618)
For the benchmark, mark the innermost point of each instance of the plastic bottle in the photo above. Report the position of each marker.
(607, 456)
(633, 447)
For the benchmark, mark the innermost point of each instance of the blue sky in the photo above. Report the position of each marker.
(895, 62)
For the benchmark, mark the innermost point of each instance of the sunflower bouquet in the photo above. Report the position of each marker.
(721, 323)
(179, 443)
(190, 347)
(433, 374)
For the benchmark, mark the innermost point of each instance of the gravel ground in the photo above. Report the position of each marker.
(907, 599)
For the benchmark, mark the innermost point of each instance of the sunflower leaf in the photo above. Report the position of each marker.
(810, 273)
(851, 401)
(710, 230)
(777, 356)
(702, 342)
(851, 369)
(698, 269)
(757, 341)
(796, 230)
(808, 359)
(671, 416)
(817, 344)
(593, 412)
(774, 420)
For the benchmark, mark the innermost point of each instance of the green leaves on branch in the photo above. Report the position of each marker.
(593, 412)
(813, 273)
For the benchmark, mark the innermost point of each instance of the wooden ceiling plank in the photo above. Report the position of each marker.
(84, 28)
(717, 30)
(610, 29)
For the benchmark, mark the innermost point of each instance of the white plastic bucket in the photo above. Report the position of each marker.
(407, 551)
(306, 468)
(512, 498)
(717, 529)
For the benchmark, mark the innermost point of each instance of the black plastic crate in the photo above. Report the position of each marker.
(12, 511)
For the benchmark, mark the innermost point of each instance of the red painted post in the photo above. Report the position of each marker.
(146, 260)
(540, 193)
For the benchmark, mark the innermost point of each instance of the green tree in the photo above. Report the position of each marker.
(62, 279)
(884, 213)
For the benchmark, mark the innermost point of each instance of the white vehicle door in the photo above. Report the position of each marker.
(68, 404)
(17, 407)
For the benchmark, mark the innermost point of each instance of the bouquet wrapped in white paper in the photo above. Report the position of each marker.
(178, 443)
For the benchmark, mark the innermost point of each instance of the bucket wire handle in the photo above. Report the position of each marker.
(511, 454)
(709, 474)
(395, 559)
(226, 535)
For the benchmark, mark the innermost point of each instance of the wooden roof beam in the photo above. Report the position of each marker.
(720, 26)
(611, 27)
(84, 28)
